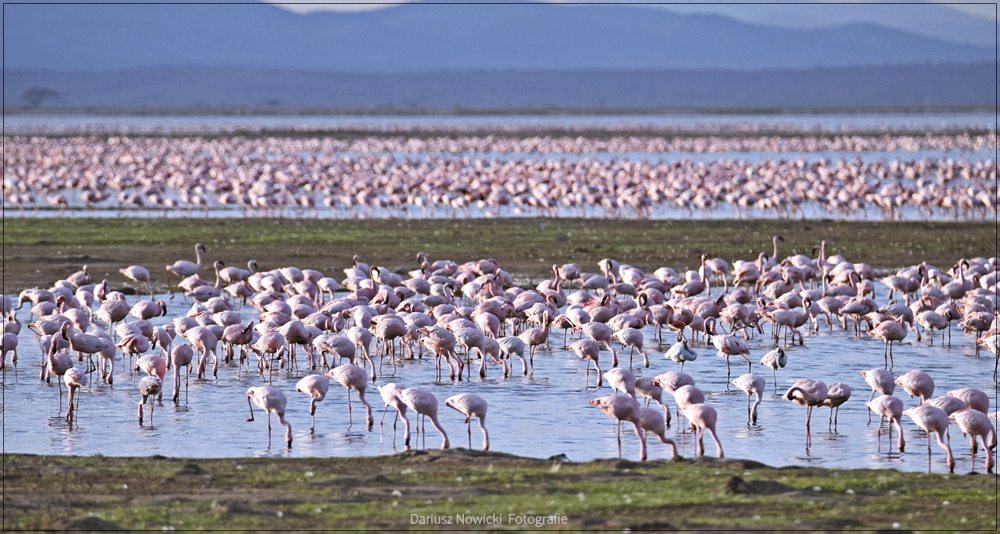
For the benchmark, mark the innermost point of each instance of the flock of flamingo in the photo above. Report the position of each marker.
(414, 176)
(375, 318)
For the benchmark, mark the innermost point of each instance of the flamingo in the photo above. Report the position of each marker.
(728, 345)
(881, 381)
(680, 352)
(889, 331)
(138, 274)
(534, 337)
(442, 343)
(917, 383)
(9, 344)
(183, 268)
(808, 393)
(976, 424)
(271, 400)
(973, 398)
(422, 402)
(181, 356)
(388, 394)
(775, 359)
(621, 380)
(316, 387)
(623, 408)
(587, 349)
(513, 345)
(633, 338)
(147, 309)
(685, 396)
(74, 379)
(648, 388)
(933, 420)
(204, 293)
(149, 386)
(650, 421)
(362, 337)
(703, 417)
(470, 405)
(155, 365)
(671, 381)
(56, 363)
(353, 377)
(891, 408)
(601, 333)
(751, 384)
(837, 393)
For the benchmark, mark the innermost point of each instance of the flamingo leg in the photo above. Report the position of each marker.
(808, 433)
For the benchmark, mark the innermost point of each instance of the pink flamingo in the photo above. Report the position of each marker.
(973, 398)
(728, 345)
(671, 381)
(362, 337)
(9, 344)
(534, 337)
(808, 393)
(181, 356)
(152, 364)
(353, 377)
(422, 402)
(442, 343)
(933, 420)
(388, 394)
(650, 390)
(471, 405)
(891, 408)
(889, 331)
(271, 400)
(601, 333)
(147, 309)
(56, 363)
(837, 393)
(917, 383)
(650, 421)
(316, 387)
(881, 381)
(623, 408)
(632, 337)
(205, 292)
(149, 386)
(74, 379)
(685, 396)
(621, 380)
(587, 349)
(751, 384)
(184, 268)
(205, 341)
(703, 417)
(138, 274)
(976, 424)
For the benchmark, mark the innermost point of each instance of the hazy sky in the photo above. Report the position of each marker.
(743, 12)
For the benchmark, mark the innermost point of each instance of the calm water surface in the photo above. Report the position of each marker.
(538, 416)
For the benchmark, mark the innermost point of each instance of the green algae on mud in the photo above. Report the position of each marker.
(388, 492)
(38, 251)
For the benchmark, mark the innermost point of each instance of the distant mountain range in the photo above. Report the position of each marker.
(425, 56)
(423, 37)
(242, 89)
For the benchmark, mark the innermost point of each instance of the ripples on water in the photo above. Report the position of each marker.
(538, 416)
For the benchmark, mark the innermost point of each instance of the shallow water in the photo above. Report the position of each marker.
(538, 416)
(819, 122)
